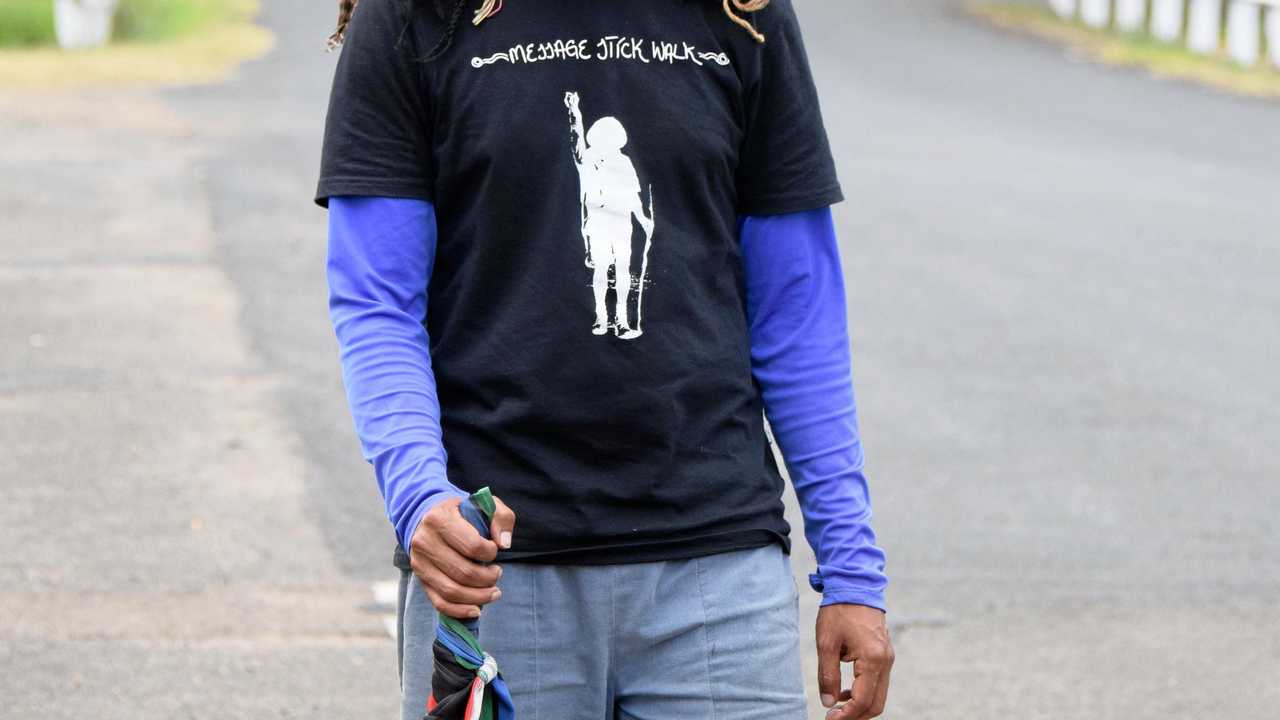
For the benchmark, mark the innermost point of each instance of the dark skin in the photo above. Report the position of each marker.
(454, 564)
(856, 634)
(453, 561)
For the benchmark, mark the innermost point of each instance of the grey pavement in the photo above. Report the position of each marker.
(1063, 297)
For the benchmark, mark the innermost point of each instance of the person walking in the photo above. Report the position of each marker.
(615, 406)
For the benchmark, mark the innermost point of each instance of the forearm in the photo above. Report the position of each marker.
(380, 255)
(801, 360)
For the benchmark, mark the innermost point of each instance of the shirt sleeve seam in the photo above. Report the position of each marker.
(870, 598)
(332, 185)
(782, 203)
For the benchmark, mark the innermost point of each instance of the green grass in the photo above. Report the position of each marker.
(160, 20)
(29, 23)
(24, 23)
(175, 42)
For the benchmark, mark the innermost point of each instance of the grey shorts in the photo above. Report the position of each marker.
(711, 638)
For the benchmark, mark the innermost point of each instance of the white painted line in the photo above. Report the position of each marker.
(386, 594)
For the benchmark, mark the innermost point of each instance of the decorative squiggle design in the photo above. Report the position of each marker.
(718, 58)
(477, 62)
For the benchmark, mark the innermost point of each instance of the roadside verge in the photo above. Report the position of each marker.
(1117, 48)
(206, 53)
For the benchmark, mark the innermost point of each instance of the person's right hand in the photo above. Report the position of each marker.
(446, 554)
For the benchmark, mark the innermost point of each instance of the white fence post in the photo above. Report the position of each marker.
(1247, 23)
(1131, 15)
(83, 23)
(1095, 13)
(1244, 18)
(1065, 9)
(1204, 26)
(1273, 34)
(1166, 20)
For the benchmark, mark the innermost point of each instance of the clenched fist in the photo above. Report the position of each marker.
(452, 560)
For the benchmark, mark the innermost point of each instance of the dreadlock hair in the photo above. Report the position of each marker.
(746, 6)
(489, 8)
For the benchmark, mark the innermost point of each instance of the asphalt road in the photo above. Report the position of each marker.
(1064, 300)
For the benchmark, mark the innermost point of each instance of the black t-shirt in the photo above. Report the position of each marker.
(588, 161)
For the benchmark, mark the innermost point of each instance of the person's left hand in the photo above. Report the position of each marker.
(856, 634)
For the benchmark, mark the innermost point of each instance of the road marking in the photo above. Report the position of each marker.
(386, 595)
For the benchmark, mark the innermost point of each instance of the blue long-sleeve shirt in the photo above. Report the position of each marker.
(381, 252)
(801, 360)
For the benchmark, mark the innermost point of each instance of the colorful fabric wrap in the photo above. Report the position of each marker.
(465, 683)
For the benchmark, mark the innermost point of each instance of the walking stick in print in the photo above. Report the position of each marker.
(647, 226)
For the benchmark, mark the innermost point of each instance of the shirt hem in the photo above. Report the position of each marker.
(625, 554)
(793, 203)
(377, 187)
(652, 551)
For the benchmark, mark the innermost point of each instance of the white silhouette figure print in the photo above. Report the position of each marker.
(610, 198)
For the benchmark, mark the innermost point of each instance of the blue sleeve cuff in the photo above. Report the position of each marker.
(835, 594)
(424, 506)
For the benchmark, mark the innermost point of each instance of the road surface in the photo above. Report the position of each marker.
(1064, 300)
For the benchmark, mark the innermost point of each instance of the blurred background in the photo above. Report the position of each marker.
(1062, 248)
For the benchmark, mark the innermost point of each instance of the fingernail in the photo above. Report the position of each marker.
(505, 540)
(499, 570)
(828, 701)
(474, 612)
(496, 594)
